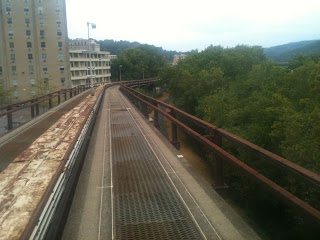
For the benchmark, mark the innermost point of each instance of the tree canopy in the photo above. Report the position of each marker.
(136, 62)
(239, 90)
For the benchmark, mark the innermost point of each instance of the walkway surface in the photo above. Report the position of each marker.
(135, 185)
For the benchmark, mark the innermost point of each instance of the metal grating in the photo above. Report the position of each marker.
(146, 204)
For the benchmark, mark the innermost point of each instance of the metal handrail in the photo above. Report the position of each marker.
(286, 196)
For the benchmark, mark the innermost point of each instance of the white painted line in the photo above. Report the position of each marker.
(180, 156)
(103, 159)
(111, 177)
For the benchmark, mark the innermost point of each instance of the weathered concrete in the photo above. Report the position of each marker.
(24, 182)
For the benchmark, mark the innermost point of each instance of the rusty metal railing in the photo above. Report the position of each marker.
(34, 103)
(213, 140)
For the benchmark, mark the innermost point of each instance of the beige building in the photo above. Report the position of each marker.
(33, 46)
(80, 63)
(177, 58)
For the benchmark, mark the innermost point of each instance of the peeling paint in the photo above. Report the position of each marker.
(24, 182)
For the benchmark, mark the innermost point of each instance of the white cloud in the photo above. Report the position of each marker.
(184, 25)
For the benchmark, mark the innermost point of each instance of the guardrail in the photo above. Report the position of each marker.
(34, 104)
(213, 140)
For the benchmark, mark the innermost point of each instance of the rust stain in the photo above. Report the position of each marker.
(24, 182)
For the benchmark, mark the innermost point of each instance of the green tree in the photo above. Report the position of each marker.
(137, 62)
(5, 96)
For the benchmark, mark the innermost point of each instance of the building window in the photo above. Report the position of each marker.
(41, 22)
(11, 45)
(45, 68)
(27, 21)
(29, 45)
(25, 1)
(39, 1)
(60, 57)
(9, 21)
(12, 57)
(8, 9)
(33, 92)
(58, 22)
(30, 57)
(26, 10)
(28, 33)
(60, 45)
(63, 81)
(16, 94)
(32, 82)
(31, 69)
(40, 10)
(59, 33)
(10, 33)
(43, 45)
(15, 82)
(61, 68)
(0, 70)
(57, 10)
(42, 33)
(14, 69)
(44, 57)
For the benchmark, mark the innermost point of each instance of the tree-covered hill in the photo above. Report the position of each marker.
(116, 47)
(286, 52)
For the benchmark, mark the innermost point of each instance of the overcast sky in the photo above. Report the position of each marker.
(183, 25)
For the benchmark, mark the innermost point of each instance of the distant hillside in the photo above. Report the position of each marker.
(286, 52)
(116, 47)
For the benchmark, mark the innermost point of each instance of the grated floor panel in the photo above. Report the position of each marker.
(146, 204)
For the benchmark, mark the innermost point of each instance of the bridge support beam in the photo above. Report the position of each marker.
(144, 109)
(174, 132)
(156, 116)
(218, 170)
(32, 109)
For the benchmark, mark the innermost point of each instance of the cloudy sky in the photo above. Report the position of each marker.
(183, 25)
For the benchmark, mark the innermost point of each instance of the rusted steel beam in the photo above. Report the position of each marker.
(50, 101)
(32, 109)
(219, 173)
(155, 116)
(9, 117)
(174, 132)
(307, 174)
(304, 208)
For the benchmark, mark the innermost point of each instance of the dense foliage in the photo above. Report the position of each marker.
(136, 62)
(239, 90)
(116, 47)
(5, 96)
(277, 108)
(286, 52)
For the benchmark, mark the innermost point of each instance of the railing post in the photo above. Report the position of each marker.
(65, 95)
(174, 132)
(144, 109)
(155, 115)
(59, 99)
(37, 107)
(9, 115)
(50, 101)
(219, 175)
(71, 93)
(32, 109)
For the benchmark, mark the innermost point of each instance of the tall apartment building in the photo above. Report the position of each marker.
(33, 46)
(80, 63)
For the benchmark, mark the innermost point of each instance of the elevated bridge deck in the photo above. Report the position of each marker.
(135, 185)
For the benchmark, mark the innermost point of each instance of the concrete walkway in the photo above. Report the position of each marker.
(135, 185)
